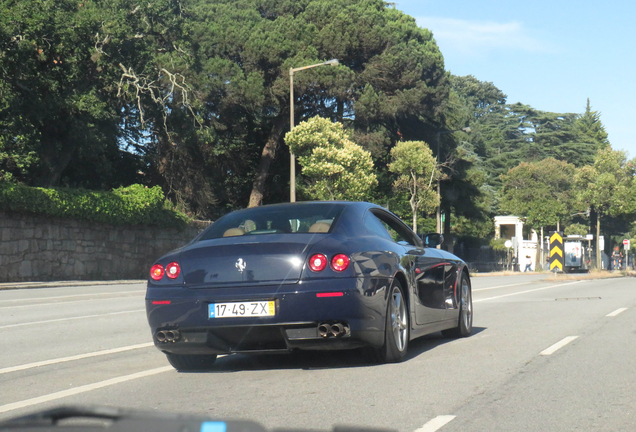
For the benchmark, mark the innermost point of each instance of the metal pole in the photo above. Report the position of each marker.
(292, 158)
(439, 194)
(542, 259)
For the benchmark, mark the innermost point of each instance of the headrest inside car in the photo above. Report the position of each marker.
(232, 232)
(319, 227)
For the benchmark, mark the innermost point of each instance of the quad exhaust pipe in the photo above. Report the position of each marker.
(337, 329)
(168, 336)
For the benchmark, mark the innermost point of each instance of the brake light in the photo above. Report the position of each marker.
(340, 262)
(173, 270)
(330, 294)
(156, 272)
(318, 262)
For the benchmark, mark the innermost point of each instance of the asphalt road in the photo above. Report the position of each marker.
(544, 356)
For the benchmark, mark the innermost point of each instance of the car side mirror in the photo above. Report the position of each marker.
(432, 239)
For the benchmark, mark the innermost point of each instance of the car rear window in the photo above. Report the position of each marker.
(318, 218)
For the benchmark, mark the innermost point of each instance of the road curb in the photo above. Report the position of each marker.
(58, 284)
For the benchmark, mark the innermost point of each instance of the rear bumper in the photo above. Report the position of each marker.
(361, 308)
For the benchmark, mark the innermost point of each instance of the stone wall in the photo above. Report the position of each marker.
(36, 248)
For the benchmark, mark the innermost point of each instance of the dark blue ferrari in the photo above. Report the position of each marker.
(311, 276)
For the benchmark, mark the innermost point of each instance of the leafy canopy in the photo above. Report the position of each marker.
(541, 192)
(416, 168)
(608, 185)
(335, 168)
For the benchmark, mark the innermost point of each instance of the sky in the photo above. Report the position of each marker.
(551, 55)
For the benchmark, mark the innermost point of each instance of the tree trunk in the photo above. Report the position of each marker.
(52, 165)
(267, 156)
(414, 210)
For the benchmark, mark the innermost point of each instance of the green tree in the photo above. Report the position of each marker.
(194, 95)
(541, 192)
(390, 70)
(576, 229)
(519, 133)
(60, 64)
(481, 97)
(335, 168)
(467, 195)
(607, 187)
(417, 171)
(591, 129)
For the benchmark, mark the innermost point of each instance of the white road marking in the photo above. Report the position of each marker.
(82, 389)
(72, 295)
(71, 318)
(72, 301)
(551, 350)
(616, 312)
(503, 286)
(436, 424)
(75, 357)
(527, 291)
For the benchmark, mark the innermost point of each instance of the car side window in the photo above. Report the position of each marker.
(373, 224)
(396, 229)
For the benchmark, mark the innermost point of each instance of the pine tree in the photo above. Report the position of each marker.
(591, 129)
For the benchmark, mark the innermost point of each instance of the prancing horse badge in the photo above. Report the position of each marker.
(240, 265)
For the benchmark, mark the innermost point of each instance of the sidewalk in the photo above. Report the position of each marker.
(27, 285)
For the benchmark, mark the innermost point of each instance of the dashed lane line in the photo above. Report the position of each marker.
(82, 389)
(503, 286)
(527, 291)
(557, 346)
(71, 295)
(436, 424)
(616, 312)
(74, 357)
(70, 318)
(71, 301)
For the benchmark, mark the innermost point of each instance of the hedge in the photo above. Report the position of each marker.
(131, 205)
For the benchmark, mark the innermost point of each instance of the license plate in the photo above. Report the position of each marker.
(242, 309)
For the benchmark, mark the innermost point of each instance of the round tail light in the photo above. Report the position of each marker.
(173, 270)
(318, 262)
(156, 272)
(340, 262)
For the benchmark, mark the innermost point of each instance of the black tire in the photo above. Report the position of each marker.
(465, 319)
(191, 362)
(397, 328)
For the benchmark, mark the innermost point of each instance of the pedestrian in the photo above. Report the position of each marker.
(617, 259)
(528, 264)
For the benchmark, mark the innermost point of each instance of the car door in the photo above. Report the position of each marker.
(451, 267)
(426, 271)
(430, 277)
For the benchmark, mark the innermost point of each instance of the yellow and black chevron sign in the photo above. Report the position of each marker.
(556, 251)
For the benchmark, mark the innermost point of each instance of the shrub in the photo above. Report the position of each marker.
(498, 244)
(576, 229)
(131, 205)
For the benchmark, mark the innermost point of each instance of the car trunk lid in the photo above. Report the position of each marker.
(277, 259)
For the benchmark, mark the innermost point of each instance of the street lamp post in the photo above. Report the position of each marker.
(292, 158)
(439, 191)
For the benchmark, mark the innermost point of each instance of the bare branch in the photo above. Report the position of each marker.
(159, 95)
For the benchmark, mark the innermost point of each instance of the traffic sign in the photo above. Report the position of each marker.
(626, 244)
(556, 251)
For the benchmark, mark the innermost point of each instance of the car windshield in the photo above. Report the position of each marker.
(317, 218)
